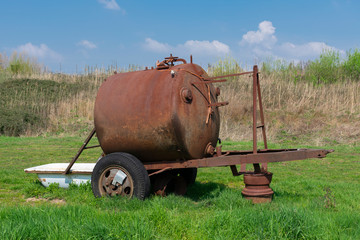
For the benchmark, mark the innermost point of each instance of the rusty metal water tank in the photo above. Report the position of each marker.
(162, 114)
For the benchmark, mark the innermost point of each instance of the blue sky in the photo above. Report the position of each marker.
(123, 32)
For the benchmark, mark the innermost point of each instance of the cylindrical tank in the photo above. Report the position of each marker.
(158, 114)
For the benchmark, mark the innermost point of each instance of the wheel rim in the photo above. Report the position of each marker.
(116, 181)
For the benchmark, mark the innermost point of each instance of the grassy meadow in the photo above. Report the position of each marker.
(314, 199)
(44, 118)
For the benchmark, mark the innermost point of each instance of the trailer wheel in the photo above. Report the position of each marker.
(120, 174)
(189, 174)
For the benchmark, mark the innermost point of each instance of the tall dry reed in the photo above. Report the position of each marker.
(293, 111)
(300, 111)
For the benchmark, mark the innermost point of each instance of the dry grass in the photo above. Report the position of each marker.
(318, 114)
(63, 102)
(72, 115)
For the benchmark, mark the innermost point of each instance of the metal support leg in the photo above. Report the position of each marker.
(67, 170)
(257, 93)
(255, 81)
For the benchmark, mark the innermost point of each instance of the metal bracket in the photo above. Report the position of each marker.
(119, 177)
(235, 171)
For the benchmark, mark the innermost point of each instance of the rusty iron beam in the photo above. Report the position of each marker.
(261, 110)
(231, 75)
(209, 81)
(257, 168)
(95, 146)
(262, 118)
(218, 104)
(237, 159)
(254, 109)
(82, 148)
(259, 151)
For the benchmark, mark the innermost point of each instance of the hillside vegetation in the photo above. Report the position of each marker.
(317, 101)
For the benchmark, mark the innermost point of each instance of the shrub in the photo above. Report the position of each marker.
(282, 69)
(22, 64)
(16, 121)
(25, 104)
(224, 67)
(325, 69)
(352, 65)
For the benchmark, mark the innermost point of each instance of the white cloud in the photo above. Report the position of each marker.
(307, 49)
(41, 51)
(87, 44)
(263, 36)
(111, 4)
(263, 43)
(211, 48)
(191, 46)
(155, 46)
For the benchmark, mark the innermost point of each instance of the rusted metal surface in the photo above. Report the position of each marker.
(262, 118)
(231, 75)
(169, 62)
(255, 81)
(254, 110)
(158, 115)
(257, 99)
(116, 181)
(159, 171)
(257, 187)
(238, 157)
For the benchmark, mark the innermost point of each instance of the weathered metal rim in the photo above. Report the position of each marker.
(128, 181)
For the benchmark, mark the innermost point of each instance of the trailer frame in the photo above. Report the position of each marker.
(183, 171)
(230, 158)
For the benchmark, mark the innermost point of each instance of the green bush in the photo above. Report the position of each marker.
(325, 69)
(14, 122)
(352, 65)
(282, 69)
(272, 65)
(224, 67)
(22, 64)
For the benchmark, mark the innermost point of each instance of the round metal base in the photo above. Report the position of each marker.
(257, 187)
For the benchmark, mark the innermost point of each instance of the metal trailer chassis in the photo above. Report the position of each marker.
(117, 177)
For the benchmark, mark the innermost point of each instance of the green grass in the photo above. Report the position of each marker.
(314, 199)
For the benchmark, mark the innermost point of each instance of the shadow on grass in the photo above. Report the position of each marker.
(200, 191)
(210, 190)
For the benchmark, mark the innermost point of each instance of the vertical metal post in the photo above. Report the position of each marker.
(255, 85)
(255, 73)
(261, 113)
(264, 165)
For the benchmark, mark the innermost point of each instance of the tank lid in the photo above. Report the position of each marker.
(168, 62)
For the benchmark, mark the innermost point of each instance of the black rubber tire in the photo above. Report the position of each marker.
(189, 174)
(137, 171)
